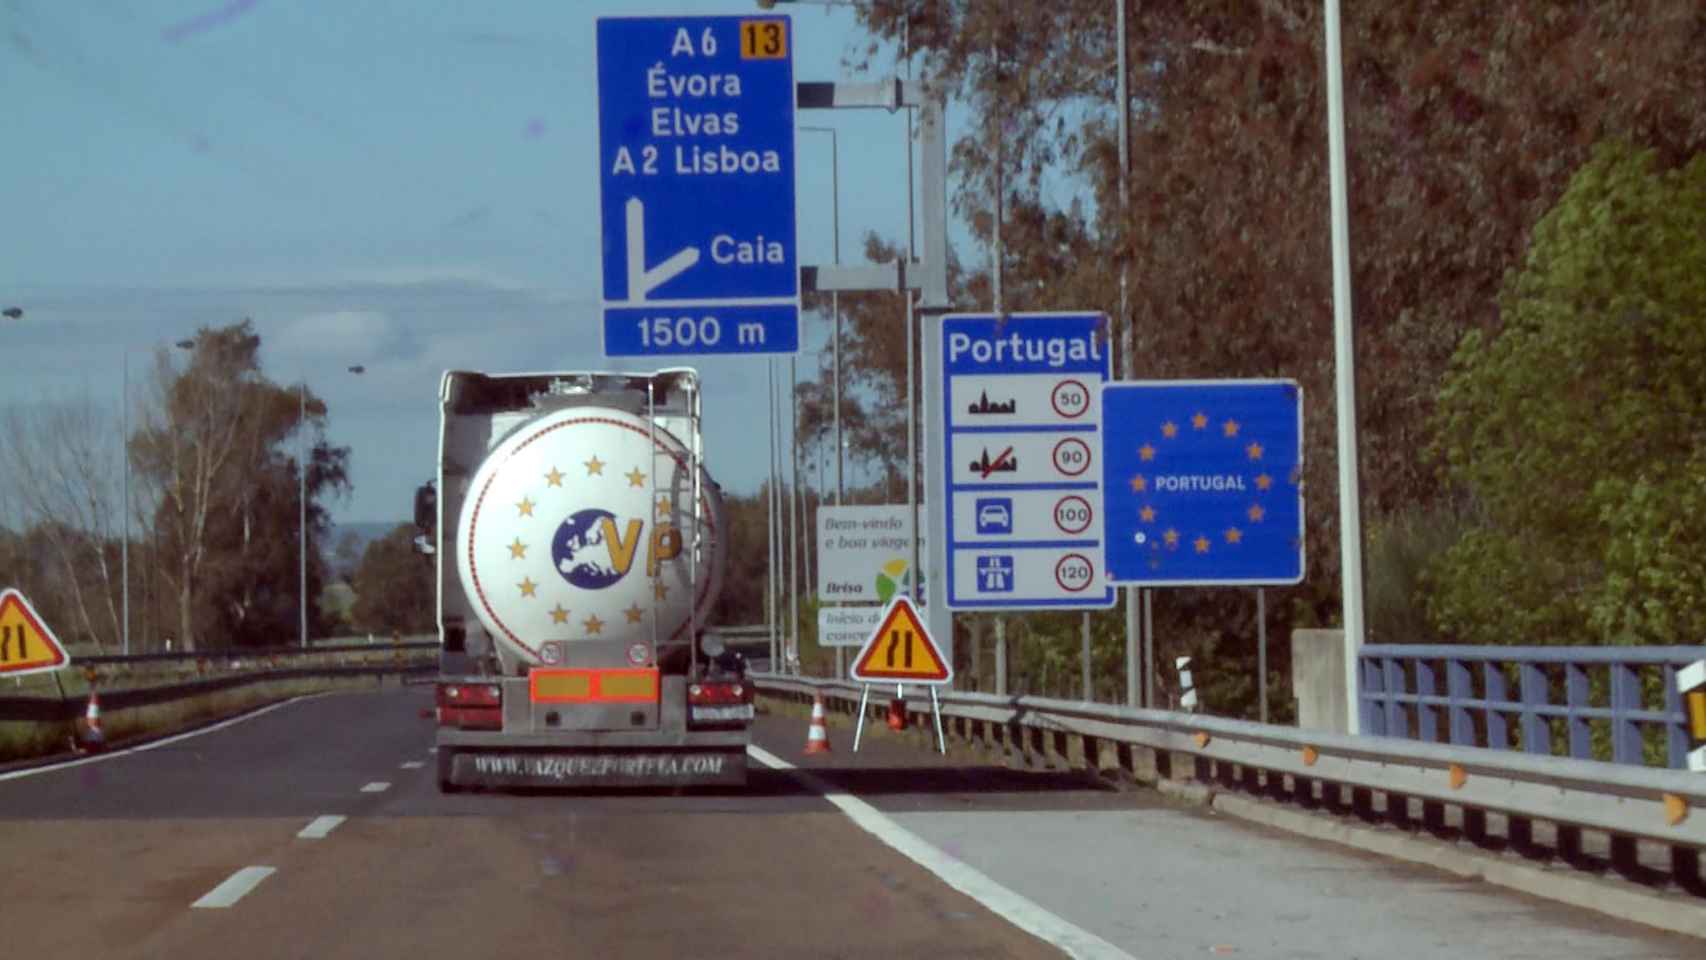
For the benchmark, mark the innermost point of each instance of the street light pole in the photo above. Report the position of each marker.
(302, 509)
(124, 452)
(835, 295)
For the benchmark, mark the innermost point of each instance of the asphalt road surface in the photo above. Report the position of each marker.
(315, 829)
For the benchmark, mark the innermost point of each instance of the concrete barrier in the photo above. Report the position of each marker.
(1318, 680)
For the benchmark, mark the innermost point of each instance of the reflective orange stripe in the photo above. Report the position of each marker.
(593, 686)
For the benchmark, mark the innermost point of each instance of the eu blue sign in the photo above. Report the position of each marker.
(696, 179)
(1202, 482)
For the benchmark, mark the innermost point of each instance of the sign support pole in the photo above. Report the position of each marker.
(936, 711)
(859, 725)
(1262, 650)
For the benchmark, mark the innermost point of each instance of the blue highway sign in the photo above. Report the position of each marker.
(696, 179)
(1203, 482)
(1021, 411)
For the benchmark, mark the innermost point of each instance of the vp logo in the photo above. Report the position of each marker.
(593, 550)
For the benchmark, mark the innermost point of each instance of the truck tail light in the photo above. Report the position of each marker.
(470, 706)
(718, 693)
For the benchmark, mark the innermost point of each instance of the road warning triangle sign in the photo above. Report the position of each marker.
(901, 650)
(26, 644)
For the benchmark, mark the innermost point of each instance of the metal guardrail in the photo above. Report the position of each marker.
(1614, 700)
(251, 653)
(65, 709)
(1628, 804)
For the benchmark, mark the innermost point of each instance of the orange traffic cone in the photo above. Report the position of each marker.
(817, 738)
(897, 714)
(93, 739)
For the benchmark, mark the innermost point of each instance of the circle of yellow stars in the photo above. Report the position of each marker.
(592, 625)
(1252, 450)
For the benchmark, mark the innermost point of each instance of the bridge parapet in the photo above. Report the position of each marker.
(1589, 703)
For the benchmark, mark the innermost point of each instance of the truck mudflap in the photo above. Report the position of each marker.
(464, 767)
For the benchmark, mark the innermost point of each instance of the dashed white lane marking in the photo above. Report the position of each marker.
(320, 827)
(412, 765)
(377, 786)
(157, 744)
(1018, 909)
(234, 888)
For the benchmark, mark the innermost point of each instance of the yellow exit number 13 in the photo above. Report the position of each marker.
(763, 40)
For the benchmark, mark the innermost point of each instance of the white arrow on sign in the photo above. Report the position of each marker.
(642, 281)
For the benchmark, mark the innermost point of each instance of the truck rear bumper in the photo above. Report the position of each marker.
(491, 766)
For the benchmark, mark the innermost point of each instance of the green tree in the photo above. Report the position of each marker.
(394, 586)
(212, 450)
(1579, 428)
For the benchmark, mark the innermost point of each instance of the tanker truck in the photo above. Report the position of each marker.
(580, 546)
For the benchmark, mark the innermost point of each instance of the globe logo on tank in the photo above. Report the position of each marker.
(575, 553)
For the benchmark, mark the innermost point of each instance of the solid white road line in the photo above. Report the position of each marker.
(234, 888)
(157, 744)
(320, 827)
(377, 786)
(1017, 909)
(412, 764)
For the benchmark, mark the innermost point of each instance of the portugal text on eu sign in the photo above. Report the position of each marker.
(696, 172)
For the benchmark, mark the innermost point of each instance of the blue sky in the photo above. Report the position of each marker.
(405, 185)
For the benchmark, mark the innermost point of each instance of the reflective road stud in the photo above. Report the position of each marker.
(1691, 683)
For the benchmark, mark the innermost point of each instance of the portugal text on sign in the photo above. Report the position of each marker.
(900, 650)
(696, 170)
(26, 644)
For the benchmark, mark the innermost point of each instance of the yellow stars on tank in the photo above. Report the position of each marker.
(594, 467)
(663, 508)
(635, 478)
(525, 507)
(554, 478)
(518, 550)
(660, 590)
(593, 625)
(634, 614)
(528, 587)
(559, 615)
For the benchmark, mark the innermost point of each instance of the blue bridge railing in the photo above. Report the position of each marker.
(1592, 703)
